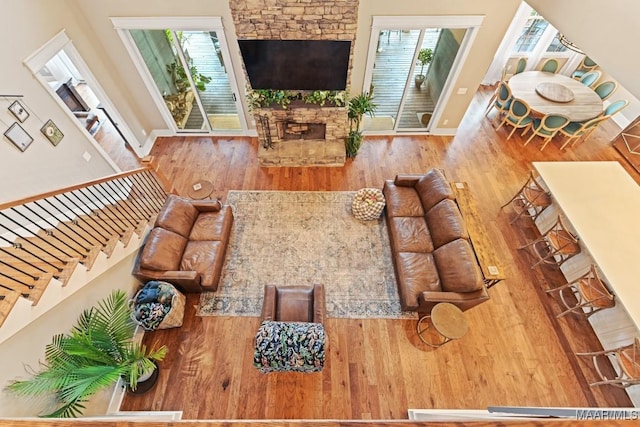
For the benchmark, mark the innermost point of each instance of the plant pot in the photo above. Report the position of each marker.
(146, 381)
(419, 79)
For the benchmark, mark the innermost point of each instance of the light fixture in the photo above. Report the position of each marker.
(568, 43)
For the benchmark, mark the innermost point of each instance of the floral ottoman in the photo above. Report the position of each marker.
(368, 204)
(289, 346)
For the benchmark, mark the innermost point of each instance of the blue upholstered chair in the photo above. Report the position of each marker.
(500, 100)
(547, 127)
(606, 89)
(517, 117)
(575, 130)
(522, 64)
(551, 65)
(590, 78)
(587, 64)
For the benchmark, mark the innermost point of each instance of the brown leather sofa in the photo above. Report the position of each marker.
(432, 255)
(294, 303)
(187, 244)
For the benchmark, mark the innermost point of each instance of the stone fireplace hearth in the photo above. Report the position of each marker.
(303, 136)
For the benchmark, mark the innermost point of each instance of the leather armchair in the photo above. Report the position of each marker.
(294, 303)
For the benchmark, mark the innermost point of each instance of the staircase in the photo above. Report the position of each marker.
(47, 239)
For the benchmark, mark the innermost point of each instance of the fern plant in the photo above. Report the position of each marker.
(95, 354)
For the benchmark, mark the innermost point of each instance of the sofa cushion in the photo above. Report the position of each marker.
(402, 201)
(433, 187)
(211, 225)
(457, 267)
(445, 223)
(162, 250)
(409, 234)
(203, 256)
(177, 215)
(416, 273)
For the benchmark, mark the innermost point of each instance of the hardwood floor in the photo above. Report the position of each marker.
(516, 352)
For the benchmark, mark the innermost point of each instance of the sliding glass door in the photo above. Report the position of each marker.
(185, 68)
(409, 68)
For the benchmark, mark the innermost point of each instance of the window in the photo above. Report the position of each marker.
(531, 33)
(555, 45)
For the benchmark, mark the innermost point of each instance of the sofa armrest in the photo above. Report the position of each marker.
(319, 306)
(406, 180)
(269, 304)
(188, 281)
(212, 205)
(464, 300)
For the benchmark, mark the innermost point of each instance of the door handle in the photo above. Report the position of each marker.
(233, 95)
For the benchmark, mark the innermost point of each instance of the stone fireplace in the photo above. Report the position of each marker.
(302, 136)
(296, 133)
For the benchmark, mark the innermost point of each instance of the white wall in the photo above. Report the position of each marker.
(29, 24)
(27, 347)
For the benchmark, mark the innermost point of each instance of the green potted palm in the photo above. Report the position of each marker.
(96, 353)
(358, 106)
(425, 56)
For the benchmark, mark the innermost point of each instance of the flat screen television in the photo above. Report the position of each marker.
(296, 64)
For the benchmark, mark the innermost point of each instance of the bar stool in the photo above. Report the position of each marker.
(555, 246)
(590, 291)
(626, 363)
(530, 200)
(447, 320)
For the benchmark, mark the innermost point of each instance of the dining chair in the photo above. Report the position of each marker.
(550, 65)
(625, 361)
(606, 89)
(575, 130)
(521, 65)
(590, 78)
(517, 117)
(547, 127)
(500, 100)
(555, 246)
(530, 200)
(585, 295)
(587, 64)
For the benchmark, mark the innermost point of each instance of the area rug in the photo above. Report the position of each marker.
(302, 238)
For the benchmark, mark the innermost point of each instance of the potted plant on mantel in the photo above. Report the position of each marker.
(424, 57)
(358, 106)
(98, 351)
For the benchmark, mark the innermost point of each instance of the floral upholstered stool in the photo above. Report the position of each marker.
(368, 204)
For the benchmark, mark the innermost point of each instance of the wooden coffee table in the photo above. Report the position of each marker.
(447, 320)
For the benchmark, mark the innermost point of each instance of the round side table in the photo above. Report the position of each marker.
(200, 189)
(447, 320)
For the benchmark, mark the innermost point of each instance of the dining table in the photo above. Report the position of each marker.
(552, 93)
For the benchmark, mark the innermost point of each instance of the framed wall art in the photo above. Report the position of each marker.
(51, 131)
(18, 110)
(18, 136)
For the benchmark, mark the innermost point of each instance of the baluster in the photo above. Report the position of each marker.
(50, 232)
(111, 222)
(19, 246)
(125, 206)
(143, 203)
(11, 289)
(36, 236)
(73, 220)
(152, 185)
(96, 212)
(81, 208)
(36, 278)
(128, 190)
(114, 202)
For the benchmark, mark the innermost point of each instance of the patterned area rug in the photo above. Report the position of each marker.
(293, 238)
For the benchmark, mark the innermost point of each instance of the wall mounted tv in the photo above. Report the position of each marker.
(296, 64)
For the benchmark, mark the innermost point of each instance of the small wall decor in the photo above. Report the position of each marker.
(19, 111)
(18, 136)
(51, 131)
